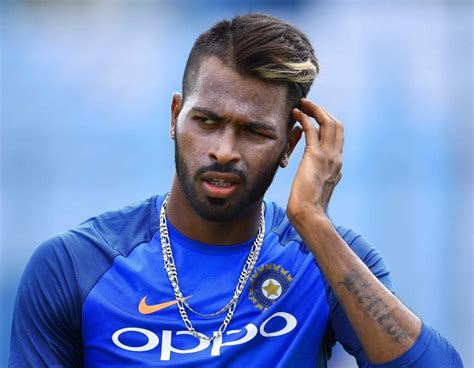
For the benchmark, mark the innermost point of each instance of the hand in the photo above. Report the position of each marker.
(320, 168)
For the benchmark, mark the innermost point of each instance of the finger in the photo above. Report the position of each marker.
(311, 132)
(339, 142)
(326, 123)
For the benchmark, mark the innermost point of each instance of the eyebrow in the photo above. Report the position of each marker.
(253, 124)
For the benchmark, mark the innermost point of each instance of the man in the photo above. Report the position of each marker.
(211, 274)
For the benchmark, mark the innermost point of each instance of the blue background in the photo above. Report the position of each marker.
(85, 101)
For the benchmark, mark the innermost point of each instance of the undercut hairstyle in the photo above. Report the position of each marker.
(260, 46)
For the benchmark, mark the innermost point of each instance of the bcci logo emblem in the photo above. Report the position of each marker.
(268, 283)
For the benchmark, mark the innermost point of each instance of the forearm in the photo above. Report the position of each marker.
(384, 326)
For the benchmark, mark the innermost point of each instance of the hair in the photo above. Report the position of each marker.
(260, 46)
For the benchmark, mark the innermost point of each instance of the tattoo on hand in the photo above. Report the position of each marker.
(374, 305)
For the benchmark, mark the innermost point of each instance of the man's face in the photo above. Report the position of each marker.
(230, 138)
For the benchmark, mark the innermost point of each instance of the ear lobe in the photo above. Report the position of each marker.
(284, 161)
(176, 106)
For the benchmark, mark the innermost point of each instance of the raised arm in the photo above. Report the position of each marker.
(385, 327)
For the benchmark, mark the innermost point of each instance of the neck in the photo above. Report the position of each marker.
(183, 217)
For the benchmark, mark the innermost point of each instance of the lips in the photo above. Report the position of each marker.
(220, 185)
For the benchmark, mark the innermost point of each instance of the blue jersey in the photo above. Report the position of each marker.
(98, 295)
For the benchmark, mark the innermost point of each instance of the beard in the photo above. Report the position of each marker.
(220, 209)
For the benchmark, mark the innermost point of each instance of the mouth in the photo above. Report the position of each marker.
(220, 185)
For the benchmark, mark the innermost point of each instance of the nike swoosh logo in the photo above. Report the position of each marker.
(144, 308)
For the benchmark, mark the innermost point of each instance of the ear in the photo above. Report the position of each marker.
(176, 106)
(293, 138)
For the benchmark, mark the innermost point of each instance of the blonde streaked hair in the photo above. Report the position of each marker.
(288, 71)
(258, 45)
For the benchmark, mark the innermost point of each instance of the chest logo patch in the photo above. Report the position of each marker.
(144, 308)
(268, 284)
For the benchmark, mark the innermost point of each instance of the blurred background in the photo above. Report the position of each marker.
(85, 100)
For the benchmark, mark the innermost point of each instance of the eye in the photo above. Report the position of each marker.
(205, 121)
(256, 133)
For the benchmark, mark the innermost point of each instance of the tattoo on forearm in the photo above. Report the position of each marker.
(374, 305)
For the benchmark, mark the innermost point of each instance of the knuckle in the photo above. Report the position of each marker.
(317, 155)
(334, 161)
(330, 162)
(328, 121)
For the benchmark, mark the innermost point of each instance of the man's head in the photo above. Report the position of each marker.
(232, 125)
(260, 46)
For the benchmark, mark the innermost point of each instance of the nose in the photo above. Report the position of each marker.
(224, 148)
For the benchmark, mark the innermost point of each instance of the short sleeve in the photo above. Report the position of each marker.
(47, 318)
(430, 349)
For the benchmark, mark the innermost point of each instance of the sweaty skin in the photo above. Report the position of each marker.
(216, 124)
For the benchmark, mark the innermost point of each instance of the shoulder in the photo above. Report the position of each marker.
(79, 256)
(120, 229)
(286, 233)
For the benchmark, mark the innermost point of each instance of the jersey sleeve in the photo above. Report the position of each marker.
(430, 349)
(47, 320)
(47, 316)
